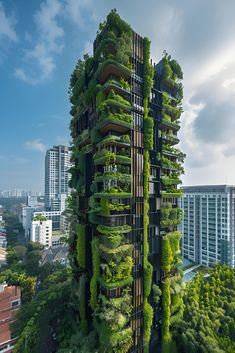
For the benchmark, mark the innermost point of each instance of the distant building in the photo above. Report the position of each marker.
(64, 224)
(18, 193)
(41, 231)
(9, 304)
(54, 216)
(58, 254)
(208, 224)
(26, 218)
(57, 165)
(1, 213)
(32, 201)
(58, 238)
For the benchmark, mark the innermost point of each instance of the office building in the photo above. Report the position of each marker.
(9, 304)
(208, 224)
(124, 243)
(41, 230)
(57, 165)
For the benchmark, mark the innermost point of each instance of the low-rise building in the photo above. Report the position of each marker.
(9, 304)
(54, 255)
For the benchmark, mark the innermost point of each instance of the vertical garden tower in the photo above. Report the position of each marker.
(124, 243)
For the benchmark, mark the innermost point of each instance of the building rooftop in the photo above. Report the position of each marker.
(207, 188)
(59, 253)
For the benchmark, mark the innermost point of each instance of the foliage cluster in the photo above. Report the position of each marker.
(208, 323)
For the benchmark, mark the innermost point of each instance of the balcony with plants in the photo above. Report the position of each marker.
(115, 100)
(170, 163)
(169, 138)
(112, 51)
(171, 151)
(170, 216)
(172, 76)
(170, 106)
(105, 156)
(115, 140)
(168, 123)
(121, 87)
(114, 113)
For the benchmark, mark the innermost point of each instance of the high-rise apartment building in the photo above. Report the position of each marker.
(57, 164)
(124, 243)
(208, 224)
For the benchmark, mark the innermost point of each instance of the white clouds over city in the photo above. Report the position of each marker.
(35, 145)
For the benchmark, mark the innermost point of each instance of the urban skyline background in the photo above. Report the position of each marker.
(39, 46)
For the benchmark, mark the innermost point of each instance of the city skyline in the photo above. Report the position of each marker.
(39, 47)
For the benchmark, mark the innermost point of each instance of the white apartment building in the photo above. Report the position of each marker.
(26, 218)
(41, 231)
(54, 216)
(57, 164)
(208, 224)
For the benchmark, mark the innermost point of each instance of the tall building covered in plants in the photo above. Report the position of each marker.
(124, 243)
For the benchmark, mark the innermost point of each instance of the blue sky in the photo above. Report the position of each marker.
(40, 42)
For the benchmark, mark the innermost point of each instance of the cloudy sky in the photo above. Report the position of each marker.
(40, 42)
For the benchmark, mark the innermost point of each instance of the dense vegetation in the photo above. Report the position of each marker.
(208, 323)
(14, 228)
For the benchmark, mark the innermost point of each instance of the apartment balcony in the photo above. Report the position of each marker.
(171, 194)
(111, 68)
(172, 111)
(116, 87)
(170, 140)
(169, 86)
(111, 158)
(83, 138)
(115, 220)
(166, 124)
(177, 154)
(110, 124)
(114, 195)
(112, 140)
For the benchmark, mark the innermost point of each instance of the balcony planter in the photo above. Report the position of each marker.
(114, 230)
(119, 284)
(116, 87)
(170, 181)
(109, 67)
(171, 194)
(114, 195)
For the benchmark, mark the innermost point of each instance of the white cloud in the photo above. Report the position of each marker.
(7, 25)
(40, 59)
(74, 10)
(35, 145)
(50, 31)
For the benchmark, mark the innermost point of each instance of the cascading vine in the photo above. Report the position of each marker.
(171, 160)
(148, 145)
